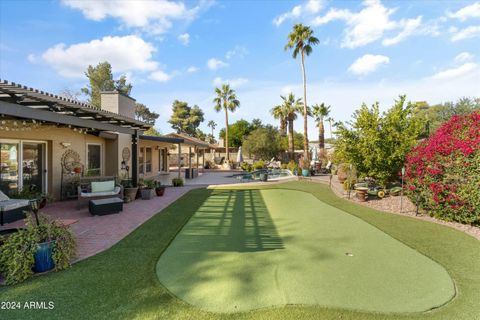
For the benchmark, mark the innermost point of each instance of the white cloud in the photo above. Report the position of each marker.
(214, 64)
(237, 82)
(368, 63)
(125, 54)
(150, 16)
(463, 57)
(409, 27)
(457, 72)
(470, 11)
(237, 52)
(160, 76)
(466, 33)
(307, 8)
(192, 69)
(370, 24)
(32, 58)
(184, 38)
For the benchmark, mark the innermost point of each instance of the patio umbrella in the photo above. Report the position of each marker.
(315, 154)
(239, 155)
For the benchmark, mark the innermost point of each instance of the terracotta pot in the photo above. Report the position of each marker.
(130, 193)
(361, 194)
(77, 170)
(160, 191)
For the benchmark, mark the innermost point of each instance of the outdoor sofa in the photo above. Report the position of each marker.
(91, 188)
(12, 209)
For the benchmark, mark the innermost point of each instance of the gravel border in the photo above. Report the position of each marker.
(392, 205)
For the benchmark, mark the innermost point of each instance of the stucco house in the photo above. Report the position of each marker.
(45, 139)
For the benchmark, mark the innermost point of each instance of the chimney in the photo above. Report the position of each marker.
(118, 103)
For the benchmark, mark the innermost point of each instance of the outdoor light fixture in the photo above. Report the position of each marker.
(124, 166)
(65, 144)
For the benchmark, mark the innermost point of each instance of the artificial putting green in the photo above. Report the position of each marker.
(251, 249)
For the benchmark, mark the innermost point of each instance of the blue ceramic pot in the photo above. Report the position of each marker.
(44, 257)
(305, 172)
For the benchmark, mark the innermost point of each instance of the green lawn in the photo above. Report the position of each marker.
(121, 283)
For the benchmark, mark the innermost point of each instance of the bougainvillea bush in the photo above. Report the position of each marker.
(444, 170)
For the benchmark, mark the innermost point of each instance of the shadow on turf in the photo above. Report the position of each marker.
(231, 220)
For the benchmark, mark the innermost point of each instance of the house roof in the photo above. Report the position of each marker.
(161, 139)
(42, 105)
(189, 140)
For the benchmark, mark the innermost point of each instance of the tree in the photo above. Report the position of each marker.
(330, 120)
(226, 100)
(319, 113)
(278, 114)
(70, 94)
(256, 123)
(263, 143)
(237, 132)
(101, 79)
(152, 132)
(186, 119)
(143, 113)
(377, 144)
(301, 40)
(212, 124)
(289, 109)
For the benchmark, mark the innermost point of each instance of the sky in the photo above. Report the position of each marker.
(369, 51)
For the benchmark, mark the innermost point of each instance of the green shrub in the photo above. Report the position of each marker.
(293, 166)
(177, 182)
(284, 166)
(260, 164)
(246, 166)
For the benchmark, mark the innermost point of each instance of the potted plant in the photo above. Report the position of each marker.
(342, 172)
(148, 190)
(361, 193)
(159, 189)
(129, 191)
(177, 182)
(30, 192)
(43, 245)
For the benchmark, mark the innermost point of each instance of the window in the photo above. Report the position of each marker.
(141, 161)
(148, 159)
(162, 159)
(94, 159)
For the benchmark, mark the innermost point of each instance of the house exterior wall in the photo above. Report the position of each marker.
(155, 146)
(54, 137)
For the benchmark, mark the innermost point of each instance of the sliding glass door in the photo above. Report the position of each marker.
(22, 165)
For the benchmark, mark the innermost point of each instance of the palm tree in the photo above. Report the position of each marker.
(289, 109)
(279, 114)
(330, 120)
(301, 40)
(212, 124)
(226, 99)
(320, 112)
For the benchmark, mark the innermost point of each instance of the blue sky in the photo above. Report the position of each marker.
(369, 51)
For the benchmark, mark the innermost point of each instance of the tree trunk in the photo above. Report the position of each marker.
(227, 151)
(283, 127)
(305, 115)
(321, 135)
(291, 141)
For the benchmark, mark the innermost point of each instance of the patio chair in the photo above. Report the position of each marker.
(12, 209)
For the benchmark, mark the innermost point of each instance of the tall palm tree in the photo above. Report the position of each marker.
(301, 40)
(279, 114)
(320, 112)
(289, 109)
(212, 124)
(330, 120)
(226, 99)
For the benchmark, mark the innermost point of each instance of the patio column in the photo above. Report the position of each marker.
(190, 162)
(203, 160)
(196, 152)
(179, 158)
(135, 158)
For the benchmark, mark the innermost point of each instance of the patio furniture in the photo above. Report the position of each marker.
(102, 207)
(91, 188)
(12, 209)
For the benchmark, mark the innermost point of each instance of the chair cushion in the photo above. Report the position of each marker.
(115, 191)
(12, 204)
(3, 196)
(103, 186)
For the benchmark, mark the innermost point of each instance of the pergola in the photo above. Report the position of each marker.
(191, 142)
(18, 102)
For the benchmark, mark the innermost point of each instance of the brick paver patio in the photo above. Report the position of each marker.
(98, 233)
